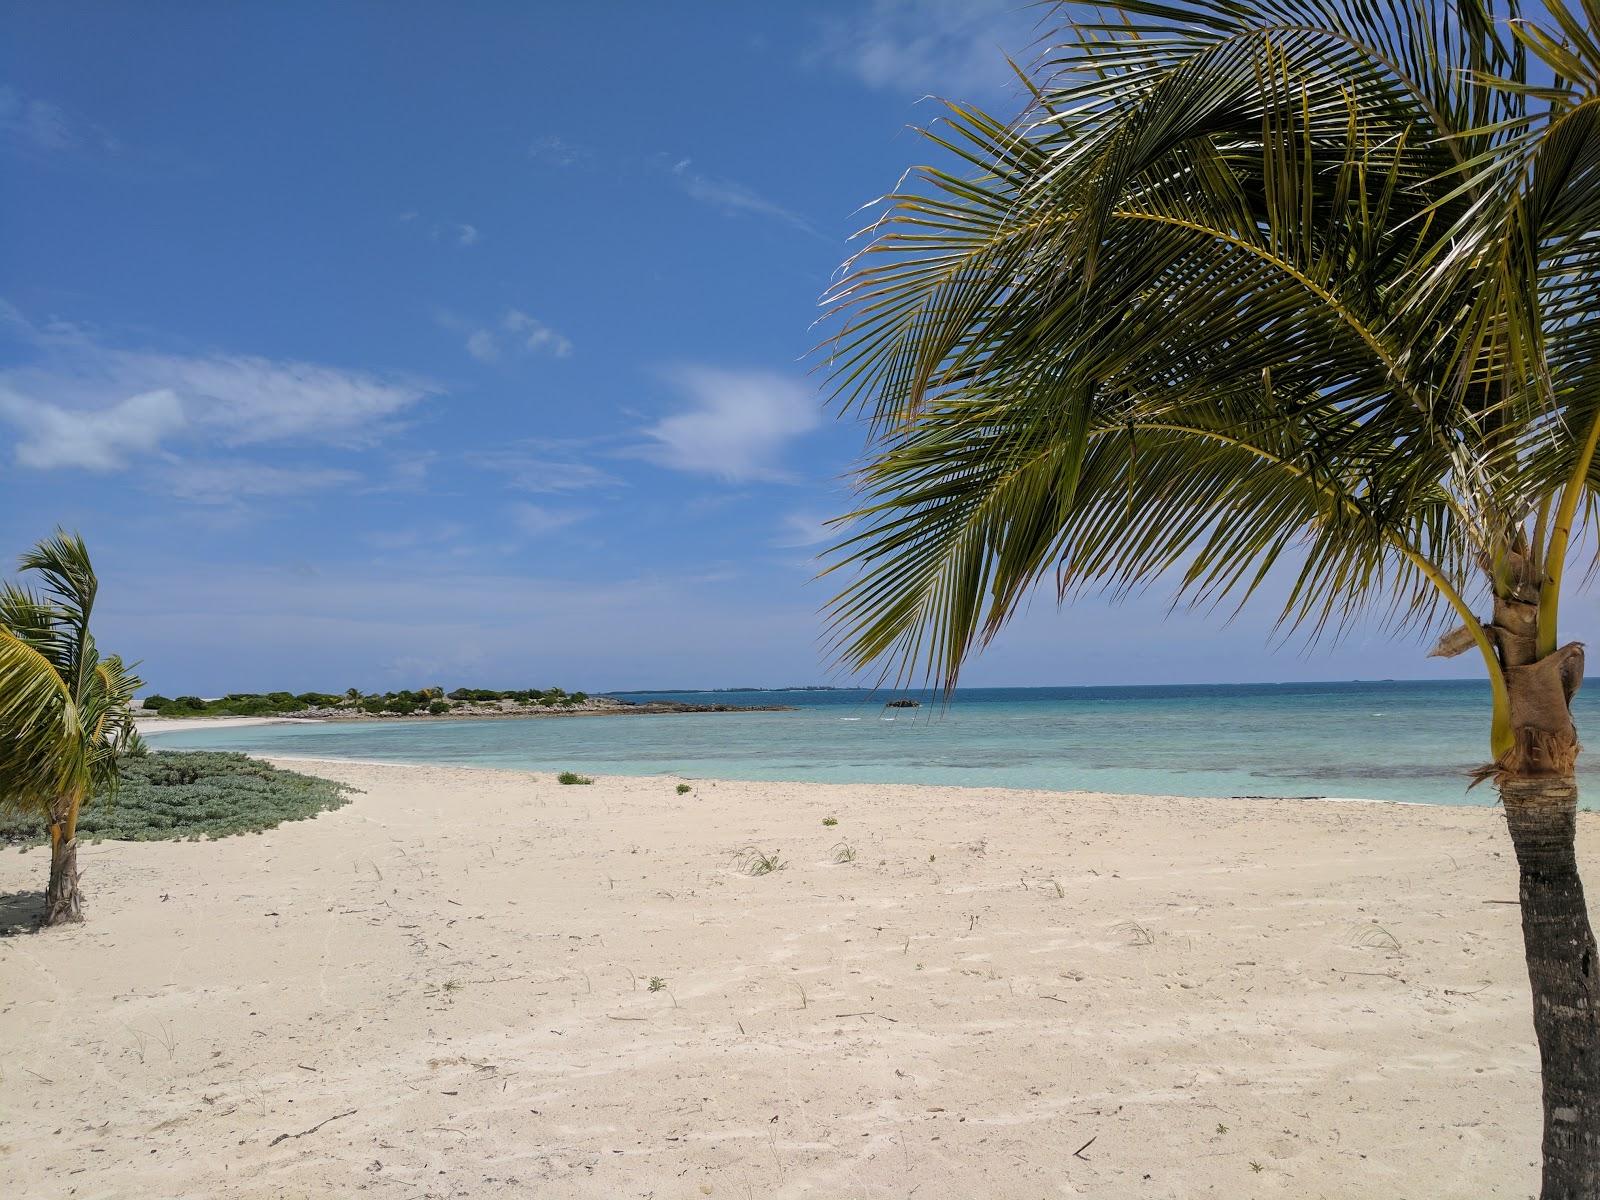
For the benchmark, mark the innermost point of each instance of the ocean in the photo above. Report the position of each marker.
(1389, 740)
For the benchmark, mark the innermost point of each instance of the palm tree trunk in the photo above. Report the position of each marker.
(1564, 970)
(1540, 793)
(62, 903)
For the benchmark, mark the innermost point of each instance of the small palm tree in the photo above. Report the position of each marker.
(1302, 289)
(64, 709)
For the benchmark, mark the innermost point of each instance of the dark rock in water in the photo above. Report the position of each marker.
(904, 704)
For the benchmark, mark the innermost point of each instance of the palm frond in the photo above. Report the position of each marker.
(1254, 285)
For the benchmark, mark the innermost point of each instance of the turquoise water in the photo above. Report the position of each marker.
(1412, 741)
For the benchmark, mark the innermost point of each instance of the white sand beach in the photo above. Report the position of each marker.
(444, 989)
(172, 724)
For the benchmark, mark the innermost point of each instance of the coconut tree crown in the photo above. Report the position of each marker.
(1296, 284)
(64, 708)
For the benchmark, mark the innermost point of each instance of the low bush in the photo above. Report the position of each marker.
(438, 706)
(175, 795)
(572, 777)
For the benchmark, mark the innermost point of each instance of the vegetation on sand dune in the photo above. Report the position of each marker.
(188, 794)
(571, 777)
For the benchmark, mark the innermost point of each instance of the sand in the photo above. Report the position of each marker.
(171, 724)
(480, 983)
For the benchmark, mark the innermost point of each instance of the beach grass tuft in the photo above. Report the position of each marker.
(572, 777)
(1137, 934)
(759, 862)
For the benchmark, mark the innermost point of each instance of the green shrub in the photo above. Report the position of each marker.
(684, 789)
(438, 706)
(572, 777)
(156, 703)
(400, 705)
(171, 795)
(373, 704)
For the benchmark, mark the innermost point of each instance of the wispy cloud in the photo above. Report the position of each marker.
(515, 333)
(801, 529)
(734, 198)
(426, 534)
(538, 471)
(460, 233)
(947, 47)
(86, 404)
(229, 482)
(556, 151)
(737, 425)
(42, 125)
(538, 520)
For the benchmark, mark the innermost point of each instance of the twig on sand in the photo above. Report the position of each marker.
(1078, 1153)
(284, 1137)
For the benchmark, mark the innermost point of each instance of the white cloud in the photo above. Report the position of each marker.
(467, 235)
(88, 405)
(536, 520)
(947, 47)
(735, 198)
(95, 439)
(231, 481)
(737, 425)
(535, 336)
(515, 333)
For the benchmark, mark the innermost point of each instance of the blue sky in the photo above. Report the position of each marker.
(383, 344)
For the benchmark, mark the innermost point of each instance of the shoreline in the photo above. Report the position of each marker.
(584, 989)
(678, 776)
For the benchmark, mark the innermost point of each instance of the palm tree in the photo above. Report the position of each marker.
(64, 709)
(1300, 290)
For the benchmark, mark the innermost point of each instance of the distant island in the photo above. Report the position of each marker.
(811, 687)
(356, 705)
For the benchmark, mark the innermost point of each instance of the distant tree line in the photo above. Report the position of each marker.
(431, 700)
